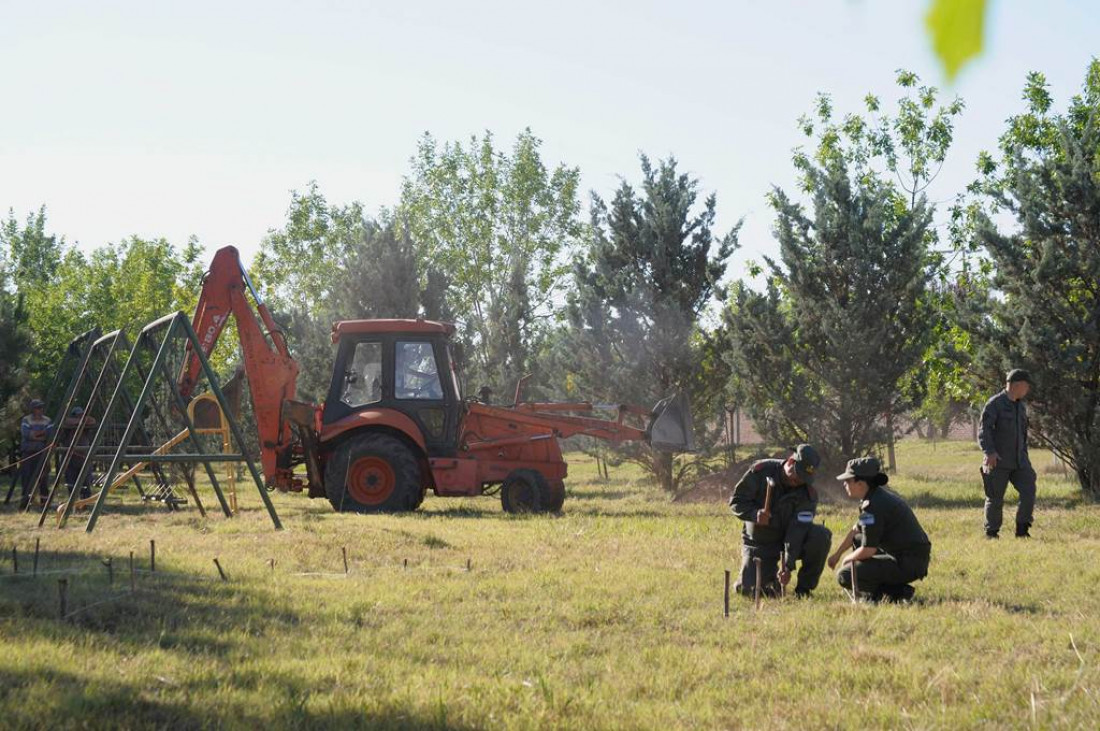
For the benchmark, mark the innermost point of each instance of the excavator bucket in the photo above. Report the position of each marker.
(670, 428)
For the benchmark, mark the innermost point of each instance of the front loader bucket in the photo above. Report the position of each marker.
(670, 428)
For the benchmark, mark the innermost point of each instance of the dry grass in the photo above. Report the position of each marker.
(608, 616)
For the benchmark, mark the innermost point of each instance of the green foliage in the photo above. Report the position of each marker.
(822, 354)
(956, 28)
(652, 267)
(65, 292)
(498, 227)
(849, 318)
(332, 262)
(14, 339)
(1045, 312)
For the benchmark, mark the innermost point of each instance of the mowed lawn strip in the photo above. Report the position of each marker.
(608, 616)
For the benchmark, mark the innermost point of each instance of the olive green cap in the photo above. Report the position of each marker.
(861, 469)
(806, 462)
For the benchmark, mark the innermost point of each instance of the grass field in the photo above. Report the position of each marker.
(608, 616)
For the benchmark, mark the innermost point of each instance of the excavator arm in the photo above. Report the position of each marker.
(272, 372)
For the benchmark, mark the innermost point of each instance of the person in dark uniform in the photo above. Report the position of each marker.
(785, 528)
(890, 549)
(1003, 439)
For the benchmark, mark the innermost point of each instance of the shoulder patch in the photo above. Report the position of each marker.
(759, 466)
(866, 518)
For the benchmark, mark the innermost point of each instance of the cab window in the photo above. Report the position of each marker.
(416, 375)
(363, 378)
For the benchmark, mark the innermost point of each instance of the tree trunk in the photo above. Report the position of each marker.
(891, 457)
(662, 469)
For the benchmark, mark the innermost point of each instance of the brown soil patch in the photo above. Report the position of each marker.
(718, 486)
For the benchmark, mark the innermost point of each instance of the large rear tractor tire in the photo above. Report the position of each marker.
(374, 473)
(527, 491)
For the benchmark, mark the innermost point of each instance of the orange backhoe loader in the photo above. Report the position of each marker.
(394, 423)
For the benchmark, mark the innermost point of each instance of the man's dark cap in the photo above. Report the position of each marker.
(37, 404)
(863, 468)
(806, 462)
(1018, 374)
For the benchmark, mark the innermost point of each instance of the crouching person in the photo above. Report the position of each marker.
(890, 549)
(777, 502)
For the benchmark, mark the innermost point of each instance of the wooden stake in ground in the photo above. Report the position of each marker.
(110, 570)
(133, 582)
(345, 550)
(271, 563)
(220, 571)
(759, 582)
(782, 566)
(14, 560)
(62, 597)
(34, 566)
(726, 600)
(467, 564)
(152, 556)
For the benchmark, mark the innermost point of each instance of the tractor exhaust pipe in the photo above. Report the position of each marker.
(670, 426)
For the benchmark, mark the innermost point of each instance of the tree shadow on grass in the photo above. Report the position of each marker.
(52, 698)
(173, 610)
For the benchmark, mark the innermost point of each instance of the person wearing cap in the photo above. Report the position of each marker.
(890, 550)
(785, 529)
(74, 434)
(1003, 440)
(34, 430)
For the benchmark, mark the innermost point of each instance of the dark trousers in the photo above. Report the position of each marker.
(815, 551)
(995, 484)
(884, 570)
(28, 471)
(72, 471)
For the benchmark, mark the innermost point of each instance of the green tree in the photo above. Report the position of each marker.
(652, 266)
(1045, 312)
(499, 226)
(14, 341)
(332, 262)
(833, 348)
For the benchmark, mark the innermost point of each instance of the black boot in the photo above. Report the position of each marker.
(897, 592)
(1022, 530)
(991, 535)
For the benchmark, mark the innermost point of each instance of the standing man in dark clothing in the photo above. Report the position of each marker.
(1003, 439)
(782, 526)
(891, 548)
(34, 431)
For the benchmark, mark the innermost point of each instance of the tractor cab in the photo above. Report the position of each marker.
(403, 366)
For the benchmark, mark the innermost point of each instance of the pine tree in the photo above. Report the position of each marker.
(1046, 273)
(652, 266)
(820, 356)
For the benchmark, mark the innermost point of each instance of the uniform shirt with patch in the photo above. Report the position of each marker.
(792, 510)
(887, 523)
(1004, 431)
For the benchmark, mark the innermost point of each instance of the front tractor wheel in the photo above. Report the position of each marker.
(527, 491)
(374, 473)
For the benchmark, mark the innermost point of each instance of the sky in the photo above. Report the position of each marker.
(163, 119)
